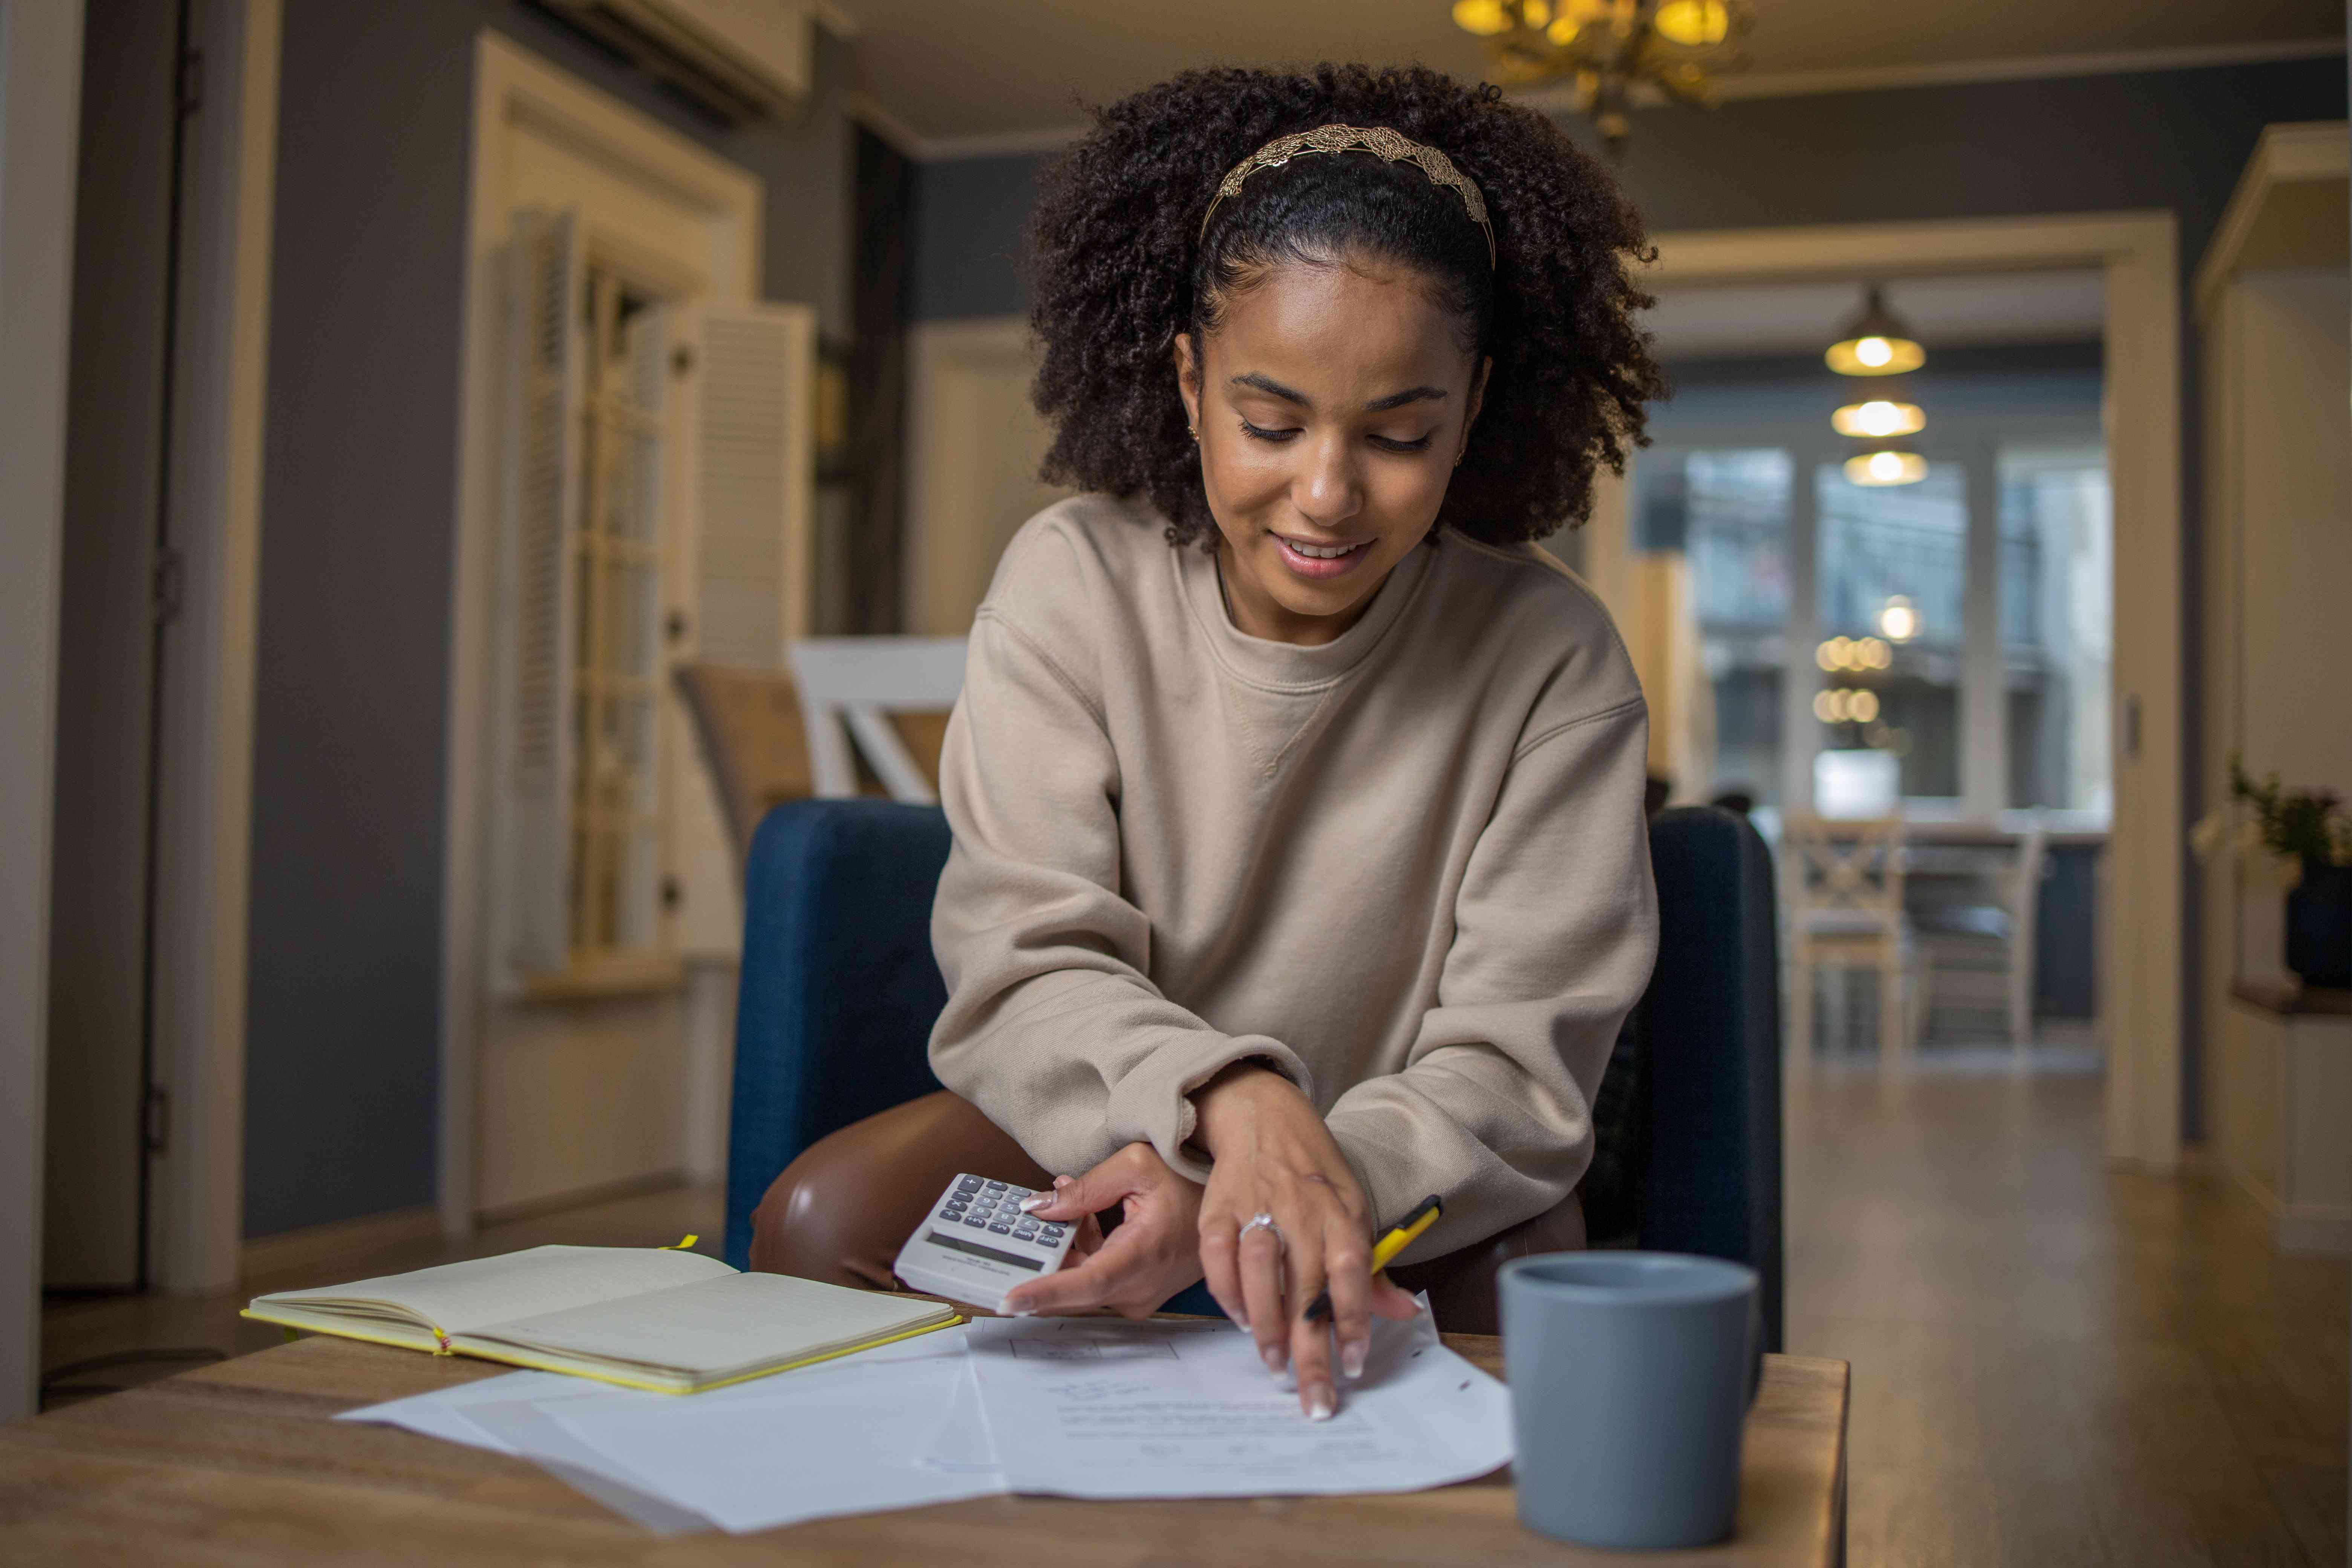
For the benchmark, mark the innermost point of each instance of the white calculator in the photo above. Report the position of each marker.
(976, 1244)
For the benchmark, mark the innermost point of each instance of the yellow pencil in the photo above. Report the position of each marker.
(1384, 1251)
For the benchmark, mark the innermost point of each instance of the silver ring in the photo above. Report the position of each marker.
(1263, 1221)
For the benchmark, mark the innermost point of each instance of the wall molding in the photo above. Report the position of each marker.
(2264, 226)
(1732, 87)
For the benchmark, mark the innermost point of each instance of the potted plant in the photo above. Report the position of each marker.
(2309, 828)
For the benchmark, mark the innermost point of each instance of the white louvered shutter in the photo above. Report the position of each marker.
(754, 468)
(540, 482)
(745, 471)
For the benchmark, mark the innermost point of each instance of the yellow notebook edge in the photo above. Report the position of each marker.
(537, 1364)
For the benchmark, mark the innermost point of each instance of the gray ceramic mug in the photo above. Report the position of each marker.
(1630, 1375)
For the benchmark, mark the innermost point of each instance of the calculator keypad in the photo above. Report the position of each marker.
(992, 1208)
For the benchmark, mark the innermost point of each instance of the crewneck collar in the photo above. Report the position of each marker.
(1292, 667)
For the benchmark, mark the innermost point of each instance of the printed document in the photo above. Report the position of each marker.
(843, 1437)
(1096, 1407)
(1100, 1407)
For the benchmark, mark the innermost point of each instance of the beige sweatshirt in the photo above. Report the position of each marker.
(1408, 869)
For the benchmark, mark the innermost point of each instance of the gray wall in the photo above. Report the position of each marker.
(357, 532)
(2162, 139)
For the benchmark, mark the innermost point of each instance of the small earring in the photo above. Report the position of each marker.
(1193, 432)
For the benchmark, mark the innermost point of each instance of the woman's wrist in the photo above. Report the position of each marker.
(1225, 1104)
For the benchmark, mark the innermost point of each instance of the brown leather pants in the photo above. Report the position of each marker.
(842, 1210)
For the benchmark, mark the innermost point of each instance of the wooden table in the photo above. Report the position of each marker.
(237, 1462)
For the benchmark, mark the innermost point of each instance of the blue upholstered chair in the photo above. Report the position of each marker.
(840, 991)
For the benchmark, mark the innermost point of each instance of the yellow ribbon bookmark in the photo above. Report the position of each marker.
(681, 1247)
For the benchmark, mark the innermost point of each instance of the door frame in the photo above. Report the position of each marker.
(40, 95)
(2141, 951)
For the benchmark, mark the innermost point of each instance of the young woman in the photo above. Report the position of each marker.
(1300, 866)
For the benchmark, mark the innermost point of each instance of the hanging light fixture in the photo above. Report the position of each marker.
(1876, 341)
(1610, 49)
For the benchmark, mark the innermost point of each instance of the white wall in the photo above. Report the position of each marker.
(974, 445)
(40, 81)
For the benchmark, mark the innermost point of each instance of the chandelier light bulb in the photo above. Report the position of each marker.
(1898, 620)
(1609, 51)
(1875, 352)
(1845, 705)
(1693, 23)
(1483, 18)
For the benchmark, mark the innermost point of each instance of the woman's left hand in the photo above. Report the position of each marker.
(1273, 1156)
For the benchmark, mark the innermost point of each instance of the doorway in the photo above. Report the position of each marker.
(2133, 256)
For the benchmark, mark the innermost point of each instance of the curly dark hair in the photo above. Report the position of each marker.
(1120, 267)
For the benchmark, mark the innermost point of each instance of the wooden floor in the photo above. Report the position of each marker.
(2052, 1363)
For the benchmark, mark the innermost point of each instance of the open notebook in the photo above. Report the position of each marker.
(672, 1322)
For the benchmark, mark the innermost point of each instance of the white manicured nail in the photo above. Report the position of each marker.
(1320, 1408)
(1272, 1355)
(1032, 1205)
(1351, 1359)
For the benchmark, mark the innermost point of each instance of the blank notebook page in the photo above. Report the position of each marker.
(718, 1325)
(459, 1297)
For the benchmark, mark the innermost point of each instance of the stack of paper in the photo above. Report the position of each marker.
(1080, 1406)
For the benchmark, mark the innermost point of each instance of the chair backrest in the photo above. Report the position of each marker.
(749, 722)
(849, 687)
(1843, 865)
(840, 991)
(2022, 892)
(1704, 1144)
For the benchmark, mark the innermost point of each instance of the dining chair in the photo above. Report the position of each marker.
(850, 690)
(1842, 889)
(1976, 954)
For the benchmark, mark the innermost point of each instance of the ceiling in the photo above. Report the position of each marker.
(1946, 313)
(956, 76)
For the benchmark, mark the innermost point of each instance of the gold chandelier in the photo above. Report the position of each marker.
(1610, 48)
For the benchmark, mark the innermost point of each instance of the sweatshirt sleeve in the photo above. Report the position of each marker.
(1053, 1027)
(1554, 932)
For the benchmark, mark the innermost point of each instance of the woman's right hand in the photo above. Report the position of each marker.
(1273, 1156)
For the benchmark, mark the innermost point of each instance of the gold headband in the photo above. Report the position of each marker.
(1378, 140)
